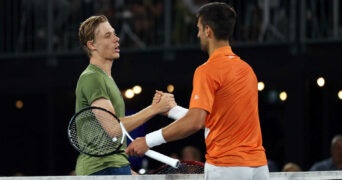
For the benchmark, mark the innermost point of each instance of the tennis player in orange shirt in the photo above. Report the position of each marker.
(224, 102)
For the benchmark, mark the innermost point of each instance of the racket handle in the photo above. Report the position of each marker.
(163, 158)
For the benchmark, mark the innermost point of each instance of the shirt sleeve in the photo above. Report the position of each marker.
(93, 87)
(203, 92)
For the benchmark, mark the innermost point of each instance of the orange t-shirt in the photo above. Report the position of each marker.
(226, 87)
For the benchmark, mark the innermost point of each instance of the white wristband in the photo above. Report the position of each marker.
(177, 112)
(155, 138)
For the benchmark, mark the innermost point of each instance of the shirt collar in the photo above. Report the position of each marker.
(222, 51)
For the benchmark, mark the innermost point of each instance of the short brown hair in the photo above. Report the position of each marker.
(220, 16)
(86, 32)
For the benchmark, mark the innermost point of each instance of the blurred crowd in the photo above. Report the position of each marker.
(139, 23)
(35, 25)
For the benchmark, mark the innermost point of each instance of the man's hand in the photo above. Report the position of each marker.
(159, 97)
(137, 148)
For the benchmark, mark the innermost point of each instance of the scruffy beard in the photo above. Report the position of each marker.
(204, 46)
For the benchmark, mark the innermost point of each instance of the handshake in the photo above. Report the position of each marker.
(165, 104)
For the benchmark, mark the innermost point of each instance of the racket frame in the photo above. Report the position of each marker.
(150, 153)
(73, 118)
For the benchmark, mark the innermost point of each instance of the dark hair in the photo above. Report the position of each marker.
(221, 17)
(87, 29)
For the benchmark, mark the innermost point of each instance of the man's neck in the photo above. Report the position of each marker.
(213, 45)
(105, 65)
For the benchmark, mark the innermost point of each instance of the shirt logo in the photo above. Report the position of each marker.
(196, 97)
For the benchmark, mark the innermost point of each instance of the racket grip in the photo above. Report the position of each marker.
(163, 158)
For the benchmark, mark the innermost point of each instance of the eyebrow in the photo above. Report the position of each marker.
(109, 32)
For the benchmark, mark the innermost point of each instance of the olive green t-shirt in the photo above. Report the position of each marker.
(93, 84)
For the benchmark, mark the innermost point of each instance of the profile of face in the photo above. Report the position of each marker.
(106, 42)
(202, 35)
(336, 153)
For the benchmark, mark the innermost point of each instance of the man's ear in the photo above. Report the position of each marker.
(207, 31)
(91, 45)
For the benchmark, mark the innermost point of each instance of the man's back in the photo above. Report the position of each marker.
(226, 87)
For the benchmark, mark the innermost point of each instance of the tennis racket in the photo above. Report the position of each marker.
(98, 132)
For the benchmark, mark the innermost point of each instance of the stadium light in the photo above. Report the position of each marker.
(261, 86)
(129, 93)
(320, 81)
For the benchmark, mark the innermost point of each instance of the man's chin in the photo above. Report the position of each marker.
(116, 56)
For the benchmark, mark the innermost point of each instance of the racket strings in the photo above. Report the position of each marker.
(89, 135)
(97, 132)
(108, 122)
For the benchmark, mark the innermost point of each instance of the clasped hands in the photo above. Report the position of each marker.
(163, 102)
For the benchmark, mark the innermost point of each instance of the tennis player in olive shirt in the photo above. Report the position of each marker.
(96, 87)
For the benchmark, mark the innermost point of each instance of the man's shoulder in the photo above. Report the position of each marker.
(89, 74)
(322, 165)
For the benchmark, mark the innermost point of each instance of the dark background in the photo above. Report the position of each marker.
(44, 74)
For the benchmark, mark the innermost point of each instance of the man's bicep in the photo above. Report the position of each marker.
(104, 103)
(199, 115)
